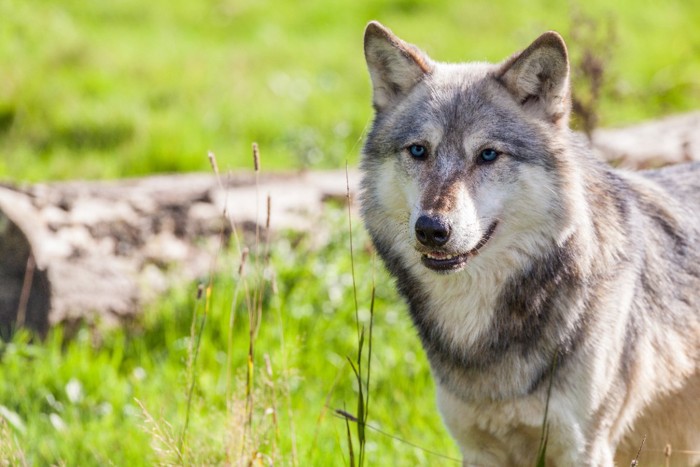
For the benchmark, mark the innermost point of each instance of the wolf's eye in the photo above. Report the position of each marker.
(488, 155)
(418, 151)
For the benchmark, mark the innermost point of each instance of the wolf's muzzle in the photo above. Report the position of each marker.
(441, 261)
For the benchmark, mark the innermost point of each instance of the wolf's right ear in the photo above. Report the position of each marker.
(394, 65)
(538, 78)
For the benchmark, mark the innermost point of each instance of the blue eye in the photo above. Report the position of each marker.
(488, 155)
(417, 151)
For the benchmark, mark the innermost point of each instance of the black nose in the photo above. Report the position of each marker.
(432, 231)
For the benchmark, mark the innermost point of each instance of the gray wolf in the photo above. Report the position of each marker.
(529, 265)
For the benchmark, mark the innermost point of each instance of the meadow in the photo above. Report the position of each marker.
(255, 365)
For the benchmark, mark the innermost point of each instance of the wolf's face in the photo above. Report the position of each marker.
(458, 154)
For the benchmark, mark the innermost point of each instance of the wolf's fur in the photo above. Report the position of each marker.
(567, 257)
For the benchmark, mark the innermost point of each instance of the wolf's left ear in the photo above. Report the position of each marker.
(394, 65)
(538, 78)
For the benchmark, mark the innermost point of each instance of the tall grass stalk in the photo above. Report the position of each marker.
(231, 324)
(166, 445)
(635, 461)
(254, 303)
(253, 289)
(197, 331)
(241, 270)
(195, 342)
(26, 288)
(241, 282)
(351, 450)
(362, 378)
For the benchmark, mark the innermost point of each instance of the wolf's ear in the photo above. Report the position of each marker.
(538, 78)
(394, 66)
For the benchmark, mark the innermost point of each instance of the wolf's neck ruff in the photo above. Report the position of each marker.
(475, 327)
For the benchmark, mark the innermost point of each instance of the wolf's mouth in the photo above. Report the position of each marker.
(439, 261)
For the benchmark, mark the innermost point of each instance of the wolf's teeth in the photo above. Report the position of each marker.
(441, 256)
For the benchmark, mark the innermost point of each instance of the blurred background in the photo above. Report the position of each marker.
(123, 88)
(255, 362)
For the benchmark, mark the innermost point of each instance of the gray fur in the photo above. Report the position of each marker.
(594, 268)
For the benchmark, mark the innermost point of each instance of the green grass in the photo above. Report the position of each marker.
(123, 88)
(78, 399)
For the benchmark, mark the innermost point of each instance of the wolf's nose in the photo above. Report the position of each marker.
(432, 231)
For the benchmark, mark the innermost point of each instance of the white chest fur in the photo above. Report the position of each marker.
(507, 432)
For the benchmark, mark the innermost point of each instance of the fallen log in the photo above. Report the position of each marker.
(656, 143)
(99, 251)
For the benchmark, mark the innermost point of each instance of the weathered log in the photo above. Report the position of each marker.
(651, 144)
(99, 251)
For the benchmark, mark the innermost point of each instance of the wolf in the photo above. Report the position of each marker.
(556, 298)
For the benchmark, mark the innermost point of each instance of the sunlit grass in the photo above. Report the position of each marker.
(120, 396)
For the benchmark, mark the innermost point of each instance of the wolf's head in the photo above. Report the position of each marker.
(464, 159)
